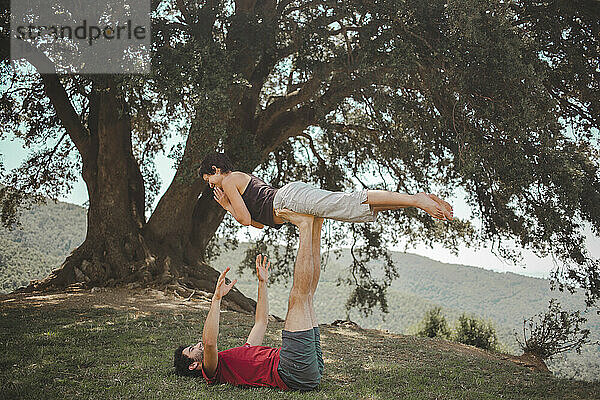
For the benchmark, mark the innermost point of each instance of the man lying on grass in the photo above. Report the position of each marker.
(298, 363)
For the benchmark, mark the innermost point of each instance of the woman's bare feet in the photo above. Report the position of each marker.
(430, 206)
(448, 212)
(294, 217)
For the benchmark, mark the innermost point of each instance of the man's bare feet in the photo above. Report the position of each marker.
(430, 206)
(294, 217)
(448, 212)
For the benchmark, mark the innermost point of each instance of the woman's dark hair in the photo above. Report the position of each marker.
(182, 363)
(219, 160)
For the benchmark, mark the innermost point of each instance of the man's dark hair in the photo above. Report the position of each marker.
(219, 160)
(182, 363)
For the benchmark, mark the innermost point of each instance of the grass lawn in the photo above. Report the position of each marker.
(115, 344)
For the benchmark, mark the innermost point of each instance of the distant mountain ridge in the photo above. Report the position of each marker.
(50, 232)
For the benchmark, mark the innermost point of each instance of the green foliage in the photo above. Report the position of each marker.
(19, 265)
(487, 119)
(47, 233)
(569, 47)
(555, 331)
(369, 289)
(434, 324)
(475, 332)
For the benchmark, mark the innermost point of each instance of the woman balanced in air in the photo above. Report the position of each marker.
(253, 202)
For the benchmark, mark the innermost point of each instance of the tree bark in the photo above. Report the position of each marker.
(207, 217)
(118, 249)
(114, 249)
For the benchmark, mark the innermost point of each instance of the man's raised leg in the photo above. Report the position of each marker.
(299, 317)
(299, 365)
(316, 250)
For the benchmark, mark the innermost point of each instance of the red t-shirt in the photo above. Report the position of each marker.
(248, 366)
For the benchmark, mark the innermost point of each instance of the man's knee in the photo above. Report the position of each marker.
(300, 295)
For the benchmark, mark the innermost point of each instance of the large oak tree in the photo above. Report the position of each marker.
(498, 99)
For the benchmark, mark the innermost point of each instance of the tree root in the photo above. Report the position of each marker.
(182, 280)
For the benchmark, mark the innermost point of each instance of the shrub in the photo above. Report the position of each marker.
(553, 332)
(476, 332)
(434, 324)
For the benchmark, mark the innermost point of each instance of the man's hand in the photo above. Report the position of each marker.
(222, 289)
(262, 268)
(221, 198)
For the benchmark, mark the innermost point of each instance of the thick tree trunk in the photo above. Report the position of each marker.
(114, 249)
(172, 223)
(186, 217)
(118, 249)
(206, 219)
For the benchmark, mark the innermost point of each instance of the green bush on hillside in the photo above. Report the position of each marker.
(434, 324)
(475, 332)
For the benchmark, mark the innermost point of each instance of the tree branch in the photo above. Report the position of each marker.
(244, 5)
(45, 155)
(184, 11)
(310, 4)
(267, 117)
(356, 127)
(402, 25)
(344, 29)
(311, 143)
(293, 122)
(287, 125)
(57, 94)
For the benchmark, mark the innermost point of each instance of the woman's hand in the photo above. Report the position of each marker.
(221, 198)
(222, 288)
(262, 268)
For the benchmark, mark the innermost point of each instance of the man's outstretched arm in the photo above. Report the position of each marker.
(261, 318)
(211, 326)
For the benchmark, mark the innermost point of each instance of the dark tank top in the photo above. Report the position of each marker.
(258, 197)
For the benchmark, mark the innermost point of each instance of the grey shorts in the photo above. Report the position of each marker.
(300, 359)
(304, 198)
